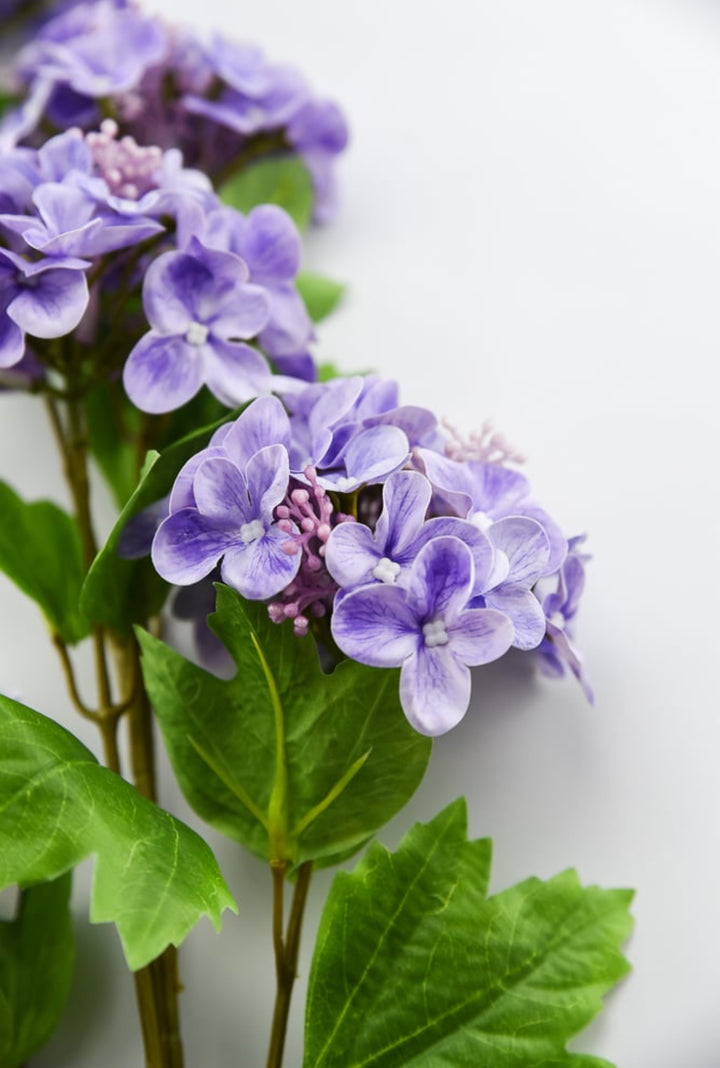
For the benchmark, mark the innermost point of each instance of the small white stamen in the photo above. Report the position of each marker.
(252, 531)
(386, 570)
(482, 521)
(435, 633)
(196, 334)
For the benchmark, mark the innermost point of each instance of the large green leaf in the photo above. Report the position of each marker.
(154, 877)
(40, 551)
(347, 759)
(119, 592)
(36, 964)
(321, 295)
(414, 965)
(283, 180)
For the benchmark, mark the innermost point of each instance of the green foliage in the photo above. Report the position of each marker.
(120, 592)
(414, 965)
(154, 877)
(40, 550)
(113, 423)
(8, 101)
(293, 763)
(36, 964)
(321, 295)
(283, 180)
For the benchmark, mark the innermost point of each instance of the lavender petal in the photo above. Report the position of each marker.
(376, 626)
(434, 690)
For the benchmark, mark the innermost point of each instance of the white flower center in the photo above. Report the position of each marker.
(482, 521)
(196, 334)
(344, 484)
(252, 531)
(386, 570)
(557, 619)
(435, 633)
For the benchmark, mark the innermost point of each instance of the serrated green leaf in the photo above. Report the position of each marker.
(283, 180)
(36, 965)
(350, 757)
(321, 295)
(154, 877)
(118, 592)
(413, 965)
(40, 551)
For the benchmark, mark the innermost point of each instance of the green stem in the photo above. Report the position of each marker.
(286, 955)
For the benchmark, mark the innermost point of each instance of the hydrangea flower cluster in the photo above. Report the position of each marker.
(89, 218)
(359, 519)
(165, 87)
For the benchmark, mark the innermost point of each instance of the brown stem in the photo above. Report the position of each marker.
(156, 985)
(286, 954)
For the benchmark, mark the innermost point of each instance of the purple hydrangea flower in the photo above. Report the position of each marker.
(319, 132)
(199, 304)
(560, 604)
(357, 556)
(255, 95)
(66, 223)
(96, 49)
(269, 243)
(352, 431)
(263, 423)
(485, 492)
(428, 631)
(522, 550)
(232, 521)
(45, 299)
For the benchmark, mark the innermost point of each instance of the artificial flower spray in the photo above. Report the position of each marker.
(346, 559)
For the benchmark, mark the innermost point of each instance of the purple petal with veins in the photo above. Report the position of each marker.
(524, 544)
(162, 373)
(434, 690)
(261, 567)
(406, 498)
(376, 626)
(441, 579)
(186, 547)
(268, 474)
(221, 494)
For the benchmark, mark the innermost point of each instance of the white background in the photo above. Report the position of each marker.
(531, 231)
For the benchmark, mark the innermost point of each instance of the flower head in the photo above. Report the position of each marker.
(428, 631)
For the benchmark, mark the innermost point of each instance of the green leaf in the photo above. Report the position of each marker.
(118, 592)
(113, 423)
(347, 759)
(321, 295)
(40, 551)
(36, 964)
(8, 101)
(414, 965)
(154, 877)
(283, 180)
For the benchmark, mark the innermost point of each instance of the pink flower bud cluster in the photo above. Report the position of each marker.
(310, 594)
(128, 168)
(485, 446)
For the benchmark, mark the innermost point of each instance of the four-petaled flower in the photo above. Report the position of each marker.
(232, 521)
(428, 631)
(199, 304)
(45, 299)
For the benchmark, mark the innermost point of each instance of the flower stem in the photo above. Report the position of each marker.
(286, 953)
(157, 985)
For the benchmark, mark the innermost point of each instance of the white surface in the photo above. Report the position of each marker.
(531, 230)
